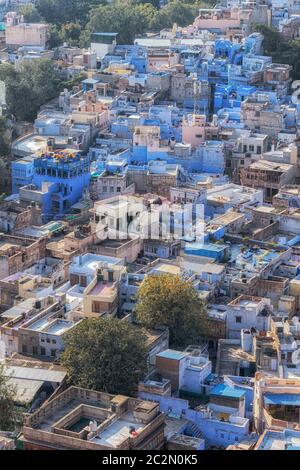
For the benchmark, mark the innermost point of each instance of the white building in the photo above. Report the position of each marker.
(247, 312)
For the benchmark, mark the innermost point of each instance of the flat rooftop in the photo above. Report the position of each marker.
(248, 304)
(230, 356)
(33, 144)
(58, 327)
(172, 354)
(92, 262)
(279, 440)
(102, 289)
(119, 431)
(165, 268)
(271, 166)
(226, 391)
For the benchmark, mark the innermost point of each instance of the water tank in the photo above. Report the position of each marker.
(246, 340)
(93, 426)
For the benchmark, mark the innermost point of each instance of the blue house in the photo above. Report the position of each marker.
(225, 49)
(22, 173)
(231, 96)
(217, 252)
(219, 425)
(89, 84)
(59, 181)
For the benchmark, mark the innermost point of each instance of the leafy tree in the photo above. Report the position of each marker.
(30, 14)
(5, 137)
(55, 39)
(27, 88)
(272, 38)
(8, 414)
(105, 354)
(176, 11)
(167, 300)
(70, 33)
(155, 3)
(59, 12)
(281, 51)
(126, 20)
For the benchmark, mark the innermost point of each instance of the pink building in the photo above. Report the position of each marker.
(196, 130)
(214, 18)
(27, 34)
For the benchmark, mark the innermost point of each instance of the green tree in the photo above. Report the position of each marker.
(272, 39)
(105, 354)
(126, 20)
(48, 10)
(8, 415)
(176, 11)
(27, 88)
(30, 14)
(5, 137)
(55, 38)
(70, 33)
(167, 300)
(281, 51)
(59, 12)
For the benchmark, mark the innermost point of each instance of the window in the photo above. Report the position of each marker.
(238, 319)
(96, 307)
(34, 350)
(54, 341)
(74, 279)
(43, 351)
(53, 353)
(24, 348)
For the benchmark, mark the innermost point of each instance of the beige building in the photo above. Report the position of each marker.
(276, 403)
(147, 136)
(101, 297)
(27, 34)
(269, 176)
(80, 419)
(259, 115)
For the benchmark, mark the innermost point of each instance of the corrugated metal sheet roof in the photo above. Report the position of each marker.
(32, 373)
(25, 390)
(289, 399)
